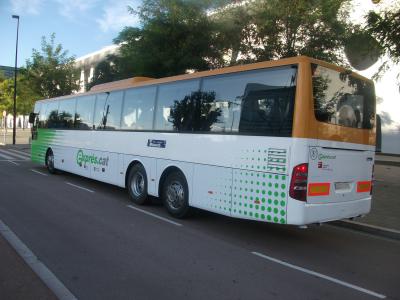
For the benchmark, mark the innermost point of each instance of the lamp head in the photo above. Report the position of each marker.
(15, 17)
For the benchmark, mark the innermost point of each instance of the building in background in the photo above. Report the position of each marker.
(88, 63)
(8, 72)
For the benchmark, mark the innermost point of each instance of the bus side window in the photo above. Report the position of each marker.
(138, 108)
(66, 114)
(267, 111)
(52, 115)
(99, 111)
(262, 100)
(173, 105)
(84, 112)
(112, 114)
(42, 115)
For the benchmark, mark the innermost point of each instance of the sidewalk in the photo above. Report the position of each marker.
(384, 218)
(17, 280)
(22, 136)
(387, 159)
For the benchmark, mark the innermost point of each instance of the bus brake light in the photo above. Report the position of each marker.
(298, 183)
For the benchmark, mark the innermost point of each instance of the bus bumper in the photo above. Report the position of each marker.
(302, 213)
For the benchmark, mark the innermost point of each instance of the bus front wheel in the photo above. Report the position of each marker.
(137, 184)
(50, 162)
(175, 195)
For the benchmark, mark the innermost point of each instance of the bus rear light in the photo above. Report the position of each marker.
(364, 186)
(372, 179)
(319, 189)
(298, 183)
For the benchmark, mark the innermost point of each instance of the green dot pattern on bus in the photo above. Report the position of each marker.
(253, 197)
(259, 187)
(264, 160)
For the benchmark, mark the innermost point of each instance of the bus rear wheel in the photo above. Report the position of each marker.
(137, 184)
(50, 162)
(175, 195)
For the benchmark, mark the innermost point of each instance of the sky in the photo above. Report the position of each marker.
(81, 26)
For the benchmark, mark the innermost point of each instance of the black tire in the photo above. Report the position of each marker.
(50, 162)
(137, 184)
(175, 195)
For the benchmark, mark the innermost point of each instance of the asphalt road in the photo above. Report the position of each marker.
(99, 247)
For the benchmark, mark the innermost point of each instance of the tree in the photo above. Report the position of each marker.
(180, 35)
(51, 72)
(26, 97)
(175, 35)
(385, 28)
(104, 72)
(285, 28)
(233, 34)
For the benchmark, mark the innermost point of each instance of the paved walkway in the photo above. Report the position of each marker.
(17, 280)
(391, 160)
(22, 136)
(385, 198)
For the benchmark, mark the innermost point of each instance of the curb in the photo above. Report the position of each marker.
(38, 267)
(367, 228)
(388, 163)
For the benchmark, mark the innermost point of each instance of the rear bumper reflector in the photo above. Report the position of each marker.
(319, 189)
(364, 186)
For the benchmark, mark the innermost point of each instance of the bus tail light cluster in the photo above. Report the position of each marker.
(298, 183)
(372, 179)
(364, 187)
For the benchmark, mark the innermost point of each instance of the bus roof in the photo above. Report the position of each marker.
(143, 81)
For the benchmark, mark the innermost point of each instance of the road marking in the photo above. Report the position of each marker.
(23, 153)
(24, 160)
(79, 187)
(7, 157)
(13, 155)
(48, 277)
(13, 162)
(38, 172)
(340, 282)
(154, 215)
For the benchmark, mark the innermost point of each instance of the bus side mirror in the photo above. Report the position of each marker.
(32, 117)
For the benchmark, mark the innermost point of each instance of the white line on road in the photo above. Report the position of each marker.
(349, 285)
(7, 157)
(38, 172)
(7, 152)
(13, 162)
(23, 153)
(24, 160)
(154, 215)
(79, 187)
(48, 277)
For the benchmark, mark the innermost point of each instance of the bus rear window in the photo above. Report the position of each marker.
(342, 99)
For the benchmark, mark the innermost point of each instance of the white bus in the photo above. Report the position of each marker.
(289, 141)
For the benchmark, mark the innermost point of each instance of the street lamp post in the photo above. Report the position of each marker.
(15, 83)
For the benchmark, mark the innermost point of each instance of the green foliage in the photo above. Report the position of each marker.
(233, 34)
(26, 97)
(286, 28)
(51, 72)
(175, 36)
(385, 28)
(104, 72)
